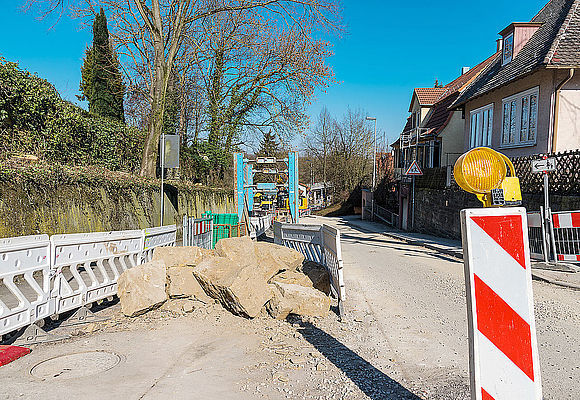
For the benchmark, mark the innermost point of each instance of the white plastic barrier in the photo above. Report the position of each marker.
(198, 232)
(158, 237)
(333, 259)
(24, 281)
(259, 225)
(306, 239)
(318, 243)
(87, 265)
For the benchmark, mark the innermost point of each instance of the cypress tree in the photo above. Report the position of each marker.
(101, 80)
(268, 145)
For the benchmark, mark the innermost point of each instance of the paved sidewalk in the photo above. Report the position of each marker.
(560, 274)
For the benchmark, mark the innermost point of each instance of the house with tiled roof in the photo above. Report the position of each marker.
(433, 133)
(527, 100)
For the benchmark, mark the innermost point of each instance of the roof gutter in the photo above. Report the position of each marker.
(552, 142)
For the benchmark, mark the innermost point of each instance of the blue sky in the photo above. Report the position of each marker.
(389, 48)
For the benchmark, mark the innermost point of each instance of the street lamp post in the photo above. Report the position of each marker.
(374, 166)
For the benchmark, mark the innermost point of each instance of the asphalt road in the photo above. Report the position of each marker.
(417, 297)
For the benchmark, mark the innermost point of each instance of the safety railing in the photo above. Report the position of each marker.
(198, 232)
(386, 216)
(42, 276)
(536, 235)
(318, 243)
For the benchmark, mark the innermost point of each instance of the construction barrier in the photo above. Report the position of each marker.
(536, 234)
(567, 235)
(318, 243)
(504, 361)
(198, 232)
(259, 225)
(42, 276)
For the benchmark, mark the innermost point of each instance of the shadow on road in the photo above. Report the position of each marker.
(371, 381)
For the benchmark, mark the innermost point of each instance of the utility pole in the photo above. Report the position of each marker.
(374, 166)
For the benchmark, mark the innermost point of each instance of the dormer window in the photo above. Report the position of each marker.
(508, 49)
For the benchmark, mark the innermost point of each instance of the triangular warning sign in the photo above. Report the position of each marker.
(507, 231)
(414, 169)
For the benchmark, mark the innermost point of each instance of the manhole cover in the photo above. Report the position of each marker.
(75, 365)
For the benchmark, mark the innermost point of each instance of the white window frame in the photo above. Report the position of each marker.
(481, 126)
(518, 98)
(507, 58)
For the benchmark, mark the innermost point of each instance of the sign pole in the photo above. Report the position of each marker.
(413, 206)
(162, 175)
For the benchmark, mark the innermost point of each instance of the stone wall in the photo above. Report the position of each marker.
(32, 205)
(437, 210)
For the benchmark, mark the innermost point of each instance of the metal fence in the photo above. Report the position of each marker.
(42, 276)
(198, 232)
(318, 243)
(567, 235)
(556, 237)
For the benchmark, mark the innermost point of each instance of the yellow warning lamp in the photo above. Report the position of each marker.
(483, 172)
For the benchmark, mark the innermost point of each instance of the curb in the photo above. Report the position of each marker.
(459, 255)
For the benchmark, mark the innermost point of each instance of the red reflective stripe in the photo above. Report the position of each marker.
(485, 395)
(556, 220)
(576, 220)
(560, 257)
(507, 231)
(498, 322)
(578, 258)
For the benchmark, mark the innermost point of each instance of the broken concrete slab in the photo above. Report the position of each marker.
(182, 283)
(273, 258)
(174, 256)
(305, 301)
(239, 249)
(142, 288)
(241, 289)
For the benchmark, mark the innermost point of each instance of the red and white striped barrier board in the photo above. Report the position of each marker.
(567, 247)
(566, 220)
(504, 362)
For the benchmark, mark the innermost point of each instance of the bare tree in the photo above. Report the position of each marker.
(149, 35)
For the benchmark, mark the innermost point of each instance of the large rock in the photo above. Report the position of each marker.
(272, 258)
(240, 288)
(299, 300)
(293, 277)
(182, 283)
(142, 288)
(239, 249)
(318, 276)
(173, 256)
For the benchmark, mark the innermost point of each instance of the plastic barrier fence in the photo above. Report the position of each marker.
(318, 243)
(42, 276)
(24, 281)
(259, 225)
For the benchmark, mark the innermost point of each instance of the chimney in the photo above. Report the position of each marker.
(464, 70)
(499, 45)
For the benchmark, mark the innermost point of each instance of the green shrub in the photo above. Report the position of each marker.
(35, 120)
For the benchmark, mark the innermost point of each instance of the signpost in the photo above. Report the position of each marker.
(169, 158)
(544, 166)
(413, 171)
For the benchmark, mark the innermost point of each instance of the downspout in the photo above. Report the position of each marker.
(552, 143)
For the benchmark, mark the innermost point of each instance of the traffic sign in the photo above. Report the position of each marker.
(547, 165)
(414, 169)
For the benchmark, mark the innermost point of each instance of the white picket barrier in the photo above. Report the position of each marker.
(158, 237)
(87, 265)
(259, 225)
(24, 281)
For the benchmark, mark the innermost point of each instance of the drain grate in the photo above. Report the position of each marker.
(76, 365)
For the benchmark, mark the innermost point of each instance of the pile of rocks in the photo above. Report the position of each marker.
(246, 277)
